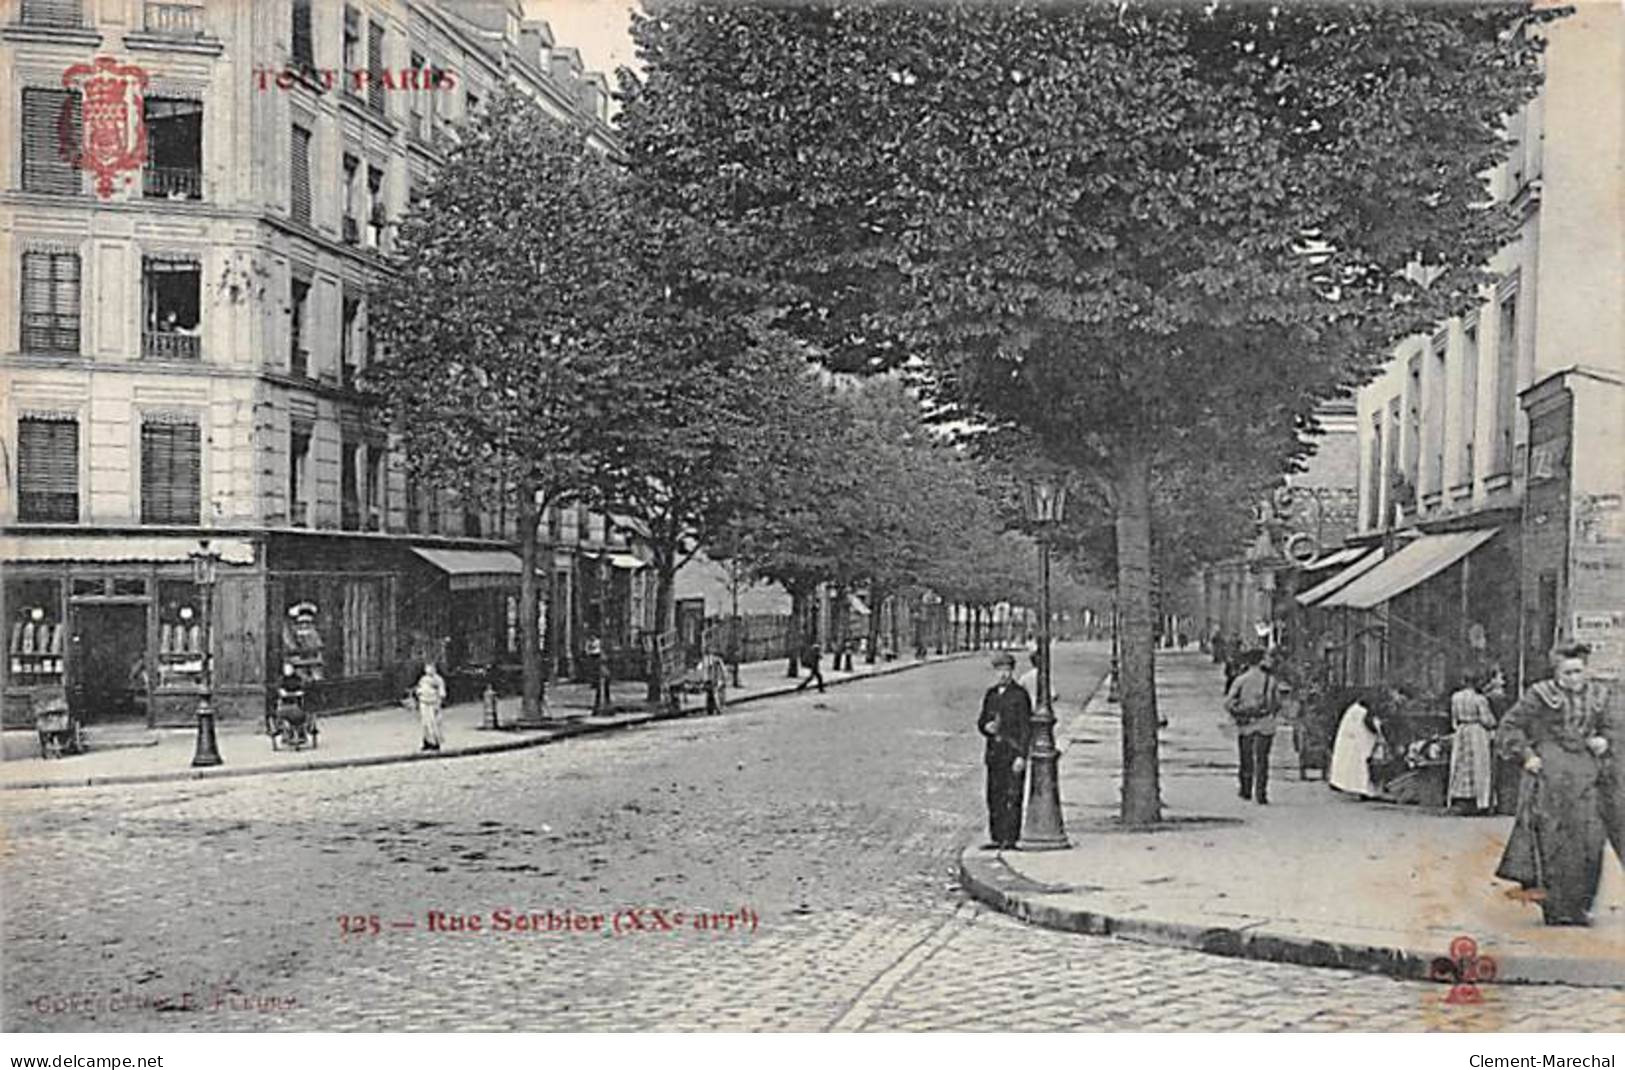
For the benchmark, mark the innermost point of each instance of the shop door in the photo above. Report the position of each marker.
(104, 681)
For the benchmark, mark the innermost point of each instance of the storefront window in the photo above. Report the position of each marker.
(180, 634)
(363, 626)
(34, 611)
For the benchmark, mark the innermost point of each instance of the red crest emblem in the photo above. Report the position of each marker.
(113, 141)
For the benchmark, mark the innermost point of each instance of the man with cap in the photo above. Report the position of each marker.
(1006, 724)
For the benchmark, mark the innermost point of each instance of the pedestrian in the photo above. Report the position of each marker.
(1253, 701)
(1563, 732)
(1359, 734)
(598, 665)
(713, 673)
(1236, 658)
(430, 693)
(1006, 723)
(810, 658)
(1472, 767)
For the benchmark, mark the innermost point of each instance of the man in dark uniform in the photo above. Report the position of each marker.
(1006, 723)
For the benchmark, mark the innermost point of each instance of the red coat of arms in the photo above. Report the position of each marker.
(113, 141)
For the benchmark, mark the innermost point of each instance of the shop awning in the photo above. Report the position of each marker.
(19, 548)
(627, 561)
(1413, 564)
(1342, 578)
(472, 569)
(1346, 556)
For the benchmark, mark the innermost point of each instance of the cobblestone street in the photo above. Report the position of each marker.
(827, 826)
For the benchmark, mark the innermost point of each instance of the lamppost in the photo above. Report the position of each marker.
(736, 641)
(1043, 829)
(205, 560)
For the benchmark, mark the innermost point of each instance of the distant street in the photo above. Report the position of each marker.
(816, 836)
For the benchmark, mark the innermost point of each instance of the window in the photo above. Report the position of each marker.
(174, 168)
(180, 633)
(48, 468)
(171, 302)
(1506, 383)
(420, 82)
(1436, 412)
(171, 470)
(299, 198)
(414, 505)
(352, 50)
(352, 194)
(363, 626)
(349, 492)
(376, 67)
(1469, 399)
(1413, 419)
(51, 120)
(52, 13)
(298, 311)
(50, 302)
(375, 490)
(298, 476)
(1395, 476)
(375, 207)
(302, 42)
(347, 337)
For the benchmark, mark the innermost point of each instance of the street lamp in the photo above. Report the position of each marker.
(205, 560)
(1043, 829)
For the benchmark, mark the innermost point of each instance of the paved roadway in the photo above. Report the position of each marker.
(827, 826)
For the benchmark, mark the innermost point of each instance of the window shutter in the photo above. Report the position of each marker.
(171, 471)
(375, 65)
(50, 302)
(300, 201)
(48, 468)
(304, 54)
(50, 122)
(52, 13)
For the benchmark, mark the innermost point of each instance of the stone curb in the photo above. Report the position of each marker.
(989, 879)
(552, 735)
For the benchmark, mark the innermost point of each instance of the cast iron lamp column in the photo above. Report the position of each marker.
(204, 561)
(1042, 828)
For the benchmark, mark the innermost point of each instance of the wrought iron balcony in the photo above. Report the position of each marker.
(172, 183)
(171, 345)
(350, 515)
(352, 230)
(299, 514)
(175, 19)
(299, 363)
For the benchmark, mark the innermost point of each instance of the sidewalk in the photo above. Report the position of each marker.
(380, 736)
(1315, 878)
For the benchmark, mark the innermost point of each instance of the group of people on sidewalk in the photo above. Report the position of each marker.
(1563, 739)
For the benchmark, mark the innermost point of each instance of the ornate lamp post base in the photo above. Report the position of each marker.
(207, 751)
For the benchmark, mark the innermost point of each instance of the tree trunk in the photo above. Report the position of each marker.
(1142, 796)
(665, 614)
(876, 599)
(797, 636)
(530, 646)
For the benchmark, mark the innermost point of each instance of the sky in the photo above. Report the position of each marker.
(598, 28)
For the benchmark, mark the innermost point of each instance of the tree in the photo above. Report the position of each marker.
(1125, 230)
(496, 367)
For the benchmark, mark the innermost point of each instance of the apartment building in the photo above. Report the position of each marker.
(1490, 473)
(181, 364)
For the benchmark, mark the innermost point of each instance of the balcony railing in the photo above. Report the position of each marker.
(173, 183)
(171, 345)
(175, 19)
(375, 518)
(352, 230)
(299, 363)
(67, 14)
(350, 515)
(299, 514)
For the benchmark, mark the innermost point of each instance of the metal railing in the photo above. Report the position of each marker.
(175, 19)
(171, 345)
(352, 230)
(299, 514)
(299, 363)
(172, 182)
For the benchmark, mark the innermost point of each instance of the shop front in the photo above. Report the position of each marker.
(116, 626)
(460, 609)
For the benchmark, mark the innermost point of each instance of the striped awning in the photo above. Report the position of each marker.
(19, 548)
(1341, 579)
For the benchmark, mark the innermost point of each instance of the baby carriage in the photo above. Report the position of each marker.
(58, 728)
(289, 723)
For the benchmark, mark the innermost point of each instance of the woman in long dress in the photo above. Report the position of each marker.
(1357, 738)
(1563, 732)
(431, 695)
(1472, 766)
